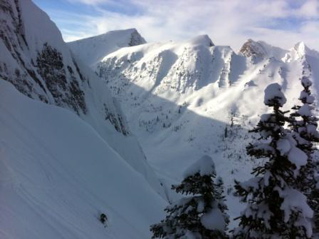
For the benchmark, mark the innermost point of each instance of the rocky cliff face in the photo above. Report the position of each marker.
(34, 65)
(261, 50)
(251, 48)
(36, 60)
(39, 64)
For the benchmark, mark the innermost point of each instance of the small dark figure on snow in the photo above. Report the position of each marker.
(103, 218)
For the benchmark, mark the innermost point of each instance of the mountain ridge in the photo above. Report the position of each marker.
(105, 44)
(187, 99)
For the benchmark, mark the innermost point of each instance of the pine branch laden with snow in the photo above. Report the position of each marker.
(202, 213)
(276, 208)
(304, 125)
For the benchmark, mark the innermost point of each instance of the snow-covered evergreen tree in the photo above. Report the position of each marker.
(201, 214)
(275, 207)
(304, 124)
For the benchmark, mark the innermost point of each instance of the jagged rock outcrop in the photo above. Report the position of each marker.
(42, 67)
(252, 48)
(259, 50)
(35, 64)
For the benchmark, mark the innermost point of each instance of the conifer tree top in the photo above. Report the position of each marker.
(276, 207)
(306, 82)
(274, 96)
(204, 166)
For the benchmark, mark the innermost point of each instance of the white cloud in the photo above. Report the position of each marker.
(89, 2)
(309, 9)
(227, 22)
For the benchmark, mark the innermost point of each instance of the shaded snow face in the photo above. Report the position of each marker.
(58, 175)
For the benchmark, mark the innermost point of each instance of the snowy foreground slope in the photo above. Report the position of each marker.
(186, 99)
(58, 175)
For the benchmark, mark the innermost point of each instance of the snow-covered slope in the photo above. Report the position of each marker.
(97, 47)
(35, 59)
(57, 175)
(182, 100)
(187, 99)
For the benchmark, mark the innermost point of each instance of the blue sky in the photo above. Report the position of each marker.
(228, 22)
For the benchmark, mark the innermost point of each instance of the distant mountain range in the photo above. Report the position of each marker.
(186, 99)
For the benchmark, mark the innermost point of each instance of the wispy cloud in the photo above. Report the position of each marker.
(89, 2)
(278, 22)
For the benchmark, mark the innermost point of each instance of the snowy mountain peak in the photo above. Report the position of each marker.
(126, 37)
(262, 49)
(100, 46)
(136, 38)
(301, 49)
(300, 46)
(202, 40)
